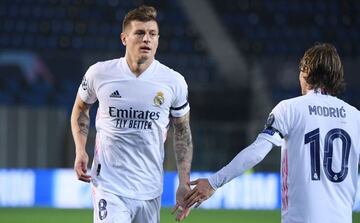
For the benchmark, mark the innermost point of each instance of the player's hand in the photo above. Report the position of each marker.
(201, 192)
(179, 209)
(80, 166)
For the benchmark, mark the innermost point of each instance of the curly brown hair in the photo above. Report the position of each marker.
(324, 68)
(143, 13)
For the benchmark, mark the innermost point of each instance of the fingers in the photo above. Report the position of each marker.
(196, 196)
(190, 194)
(193, 201)
(195, 182)
(182, 215)
(85, 178)
(81, 174)
(198, 203)
(175, 208)
(193, 198)
(80, 167)
(187, 212)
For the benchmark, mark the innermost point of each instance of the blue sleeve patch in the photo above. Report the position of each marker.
(271, 131)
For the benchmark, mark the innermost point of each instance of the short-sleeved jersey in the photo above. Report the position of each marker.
(320, 157)
(131, 123)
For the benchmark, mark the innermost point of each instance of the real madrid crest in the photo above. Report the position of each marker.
(159, 98)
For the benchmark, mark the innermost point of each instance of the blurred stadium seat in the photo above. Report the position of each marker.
(276, 32)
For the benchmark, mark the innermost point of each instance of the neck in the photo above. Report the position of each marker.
(305, 91)
(316, 90)
(321, 91)
(138, 66)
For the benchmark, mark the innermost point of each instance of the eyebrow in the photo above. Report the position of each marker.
(143, 30)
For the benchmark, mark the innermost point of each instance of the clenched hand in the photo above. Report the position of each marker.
(80, 166)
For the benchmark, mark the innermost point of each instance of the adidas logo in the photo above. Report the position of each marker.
(115, 94)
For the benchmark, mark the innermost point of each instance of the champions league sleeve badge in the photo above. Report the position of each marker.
(270, 120)
(159, 99)
(84, 84)
(271, 130)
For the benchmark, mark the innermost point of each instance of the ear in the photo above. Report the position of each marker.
(123, 38)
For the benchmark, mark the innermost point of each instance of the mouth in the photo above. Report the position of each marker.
(145, 48)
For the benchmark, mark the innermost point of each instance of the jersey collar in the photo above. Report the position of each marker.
(147, 74)
(317, 91)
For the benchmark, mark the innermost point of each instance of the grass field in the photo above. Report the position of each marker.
(42, 215)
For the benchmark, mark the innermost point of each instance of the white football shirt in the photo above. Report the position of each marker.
(320, 157)
(132, 122)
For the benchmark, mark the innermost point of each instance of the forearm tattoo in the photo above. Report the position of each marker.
(183, 143)
(83, 123)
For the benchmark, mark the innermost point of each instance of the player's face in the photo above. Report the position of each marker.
(141, 40)
(303, 84)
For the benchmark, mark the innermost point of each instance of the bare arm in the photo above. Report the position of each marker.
(80, 122)
(183, 147)
(183, 154)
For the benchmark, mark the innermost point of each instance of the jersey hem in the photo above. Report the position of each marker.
(136, 196)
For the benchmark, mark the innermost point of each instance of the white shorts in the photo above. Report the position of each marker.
(110, 208)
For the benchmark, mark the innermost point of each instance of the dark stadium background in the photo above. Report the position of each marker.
(239, 58)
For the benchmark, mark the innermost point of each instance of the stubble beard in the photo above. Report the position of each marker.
(142, 60)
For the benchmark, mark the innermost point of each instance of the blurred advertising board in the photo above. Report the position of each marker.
(59, 188)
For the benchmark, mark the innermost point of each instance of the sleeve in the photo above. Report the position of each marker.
(86, 89)
(276, 127)
(180, 105)
(247, 158)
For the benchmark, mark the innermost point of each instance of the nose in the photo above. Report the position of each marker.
(146, 38)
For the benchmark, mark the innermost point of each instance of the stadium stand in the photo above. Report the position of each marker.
(91, 27)
(273, 34)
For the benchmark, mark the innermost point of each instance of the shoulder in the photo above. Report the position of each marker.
(349, 107)
(168, 73)
(292, 107)
(105, 65)
(297, 100)
(291, 102)
(347, 104)
(102, 67)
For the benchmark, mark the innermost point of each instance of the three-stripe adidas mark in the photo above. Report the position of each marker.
(115, 94)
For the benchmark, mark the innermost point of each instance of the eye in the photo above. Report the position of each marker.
(139, 33)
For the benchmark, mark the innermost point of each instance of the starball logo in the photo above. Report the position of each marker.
(84, 84)
(131, 118)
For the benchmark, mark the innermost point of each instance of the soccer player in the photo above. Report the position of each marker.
(319, 135)
(137, 98)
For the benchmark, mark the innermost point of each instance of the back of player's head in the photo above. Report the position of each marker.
(143, 13)
(323, 65)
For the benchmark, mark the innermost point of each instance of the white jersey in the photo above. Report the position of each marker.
(320, 157)
(132, 122)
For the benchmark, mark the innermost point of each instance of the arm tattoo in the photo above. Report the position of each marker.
(183, 143)
(83, 123)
